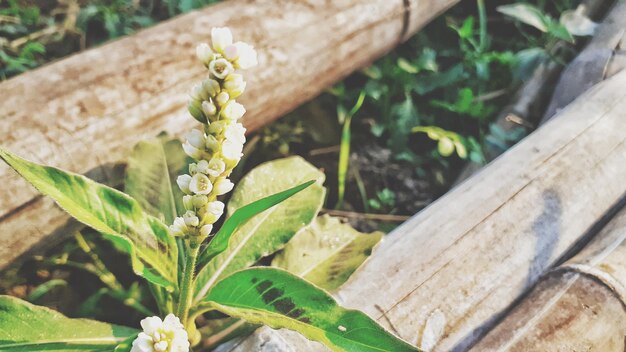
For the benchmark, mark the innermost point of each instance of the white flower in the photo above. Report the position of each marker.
(192, 151)
(204, 53)
(233, 111)
(231, 52)
(183, 183)
(178, 228)
(191, 219)
(209, 108)
(221, 38)
(223, 186)
(247, 55)
(198, 93)
(200, 184)
(235, 132)
(158, 335)
(216, 208)
(231, 150)
(215, 167)
(188, 201)
(196, 138)
(234, 84)
(220, 68)
(206, 230)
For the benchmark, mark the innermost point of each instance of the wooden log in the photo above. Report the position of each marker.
(580, 306)
(90, 109)
(469, 255)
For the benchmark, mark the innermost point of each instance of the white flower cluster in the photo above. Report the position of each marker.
(158, 335)
(218, 148)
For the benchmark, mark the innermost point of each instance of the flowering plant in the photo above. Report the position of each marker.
(192, 269)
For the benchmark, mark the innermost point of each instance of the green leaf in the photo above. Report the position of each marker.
(327, 252)
(117, 216)
(219, 243)
(27, 327)
(268, 231)
(526, 13)
(279, 299)
(148, 180)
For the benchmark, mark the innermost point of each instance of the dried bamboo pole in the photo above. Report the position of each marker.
(579, 306)
(454, 269)
(88, 110)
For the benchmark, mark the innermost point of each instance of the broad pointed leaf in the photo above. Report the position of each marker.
(26, 327)
(219, 243)
(148, 180)
(117, 216)
(327, 252)
(279, 299)
(268, 231)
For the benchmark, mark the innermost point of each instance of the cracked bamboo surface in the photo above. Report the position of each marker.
(580, 306)
(479, 248)
(87, 111)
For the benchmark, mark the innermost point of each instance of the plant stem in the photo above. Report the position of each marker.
(186, 293)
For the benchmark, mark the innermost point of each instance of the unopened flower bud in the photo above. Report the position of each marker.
(209, 108)
(234, 84)
(223, 186)
(220, 68)
(203, 166)
(200, 200)
(178, 228)
(215, 167)
(195, 110)
(183, 182)
(200, 184)
(204, 53)
(247, 56)
(211, 87)
(233, 111)
(196, 138)
(197, 93)
(192, 151)
(221, 38)
(212, 143)
(191, 219)
(206, 230)
(188, 202)
(222, 98)
(216, 128)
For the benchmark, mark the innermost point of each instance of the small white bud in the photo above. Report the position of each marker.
(197, 93)
(183, 182)
(247, 56)
(234, 84)
(220, 68)
(233, 111)
(196, 138)
(206, 230)
(178, 228)
(204, 53)
(191, 219)
(209, 108)
(193, 169)
(200, 184)
(215, 167)
(215, 128)
(223, 186)
(222, 98)
(221, 38)
(195, 109)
